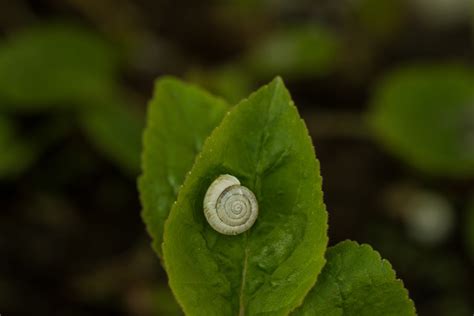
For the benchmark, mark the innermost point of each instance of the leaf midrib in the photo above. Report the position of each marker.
(258, 175)
(242, 286)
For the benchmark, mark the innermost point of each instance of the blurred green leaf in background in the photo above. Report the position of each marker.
(425, 115)
(115, 128)
(69, 67)
(54, 65)
(296, 51)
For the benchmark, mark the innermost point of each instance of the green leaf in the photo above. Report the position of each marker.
(356, 281)
(425, 115)
(296, 52)
(54, 65)
(180, 118)
(269, 268)
(116, 130)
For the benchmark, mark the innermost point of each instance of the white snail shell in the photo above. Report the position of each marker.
(229, 207)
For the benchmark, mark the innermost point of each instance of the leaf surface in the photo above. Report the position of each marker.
(356, 281)
(268, 269)
(180, 118)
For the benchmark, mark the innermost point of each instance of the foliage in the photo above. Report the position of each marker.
(54, 65)
(425, 115)
(66, 67)
(356, 281)
(270, 268)
(180, 117)
(297, 51)
(264, 143)
(115, 128)
(70, 148)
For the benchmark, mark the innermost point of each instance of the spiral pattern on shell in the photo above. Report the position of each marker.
(229, 207)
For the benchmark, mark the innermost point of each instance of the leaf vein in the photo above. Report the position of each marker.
(257, 186)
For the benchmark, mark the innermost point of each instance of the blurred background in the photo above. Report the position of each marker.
(386, 88)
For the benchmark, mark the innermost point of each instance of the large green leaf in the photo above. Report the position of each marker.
(425, 115)
(270, 268)
(53, 65)
(356, 281)
(180, 118)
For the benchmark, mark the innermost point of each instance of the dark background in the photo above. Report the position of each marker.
(71, 238)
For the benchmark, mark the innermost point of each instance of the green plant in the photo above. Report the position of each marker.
(271, 269)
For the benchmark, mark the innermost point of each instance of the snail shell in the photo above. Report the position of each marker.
(229, 207)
